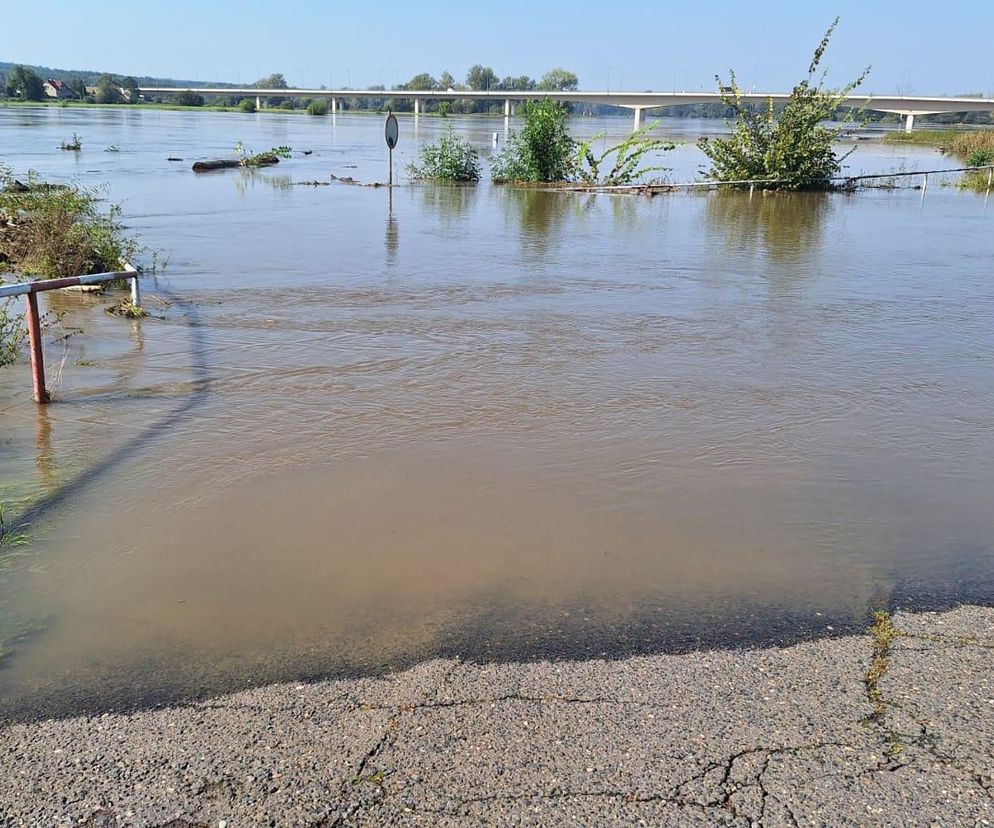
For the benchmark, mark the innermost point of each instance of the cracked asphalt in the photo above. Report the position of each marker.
(783, 736)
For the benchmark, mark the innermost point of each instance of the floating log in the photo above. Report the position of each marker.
(219, 164)
(263, 159)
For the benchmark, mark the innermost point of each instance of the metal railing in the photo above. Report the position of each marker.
(662, 186)
(30, 291)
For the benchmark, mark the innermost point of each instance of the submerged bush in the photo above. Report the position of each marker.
(57, 230)
(543, 151)
(74, 144)
(450, 158)
(51, 231)
(794, 150)
(317, 108)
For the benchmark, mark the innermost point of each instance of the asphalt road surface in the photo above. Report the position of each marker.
(790, 736)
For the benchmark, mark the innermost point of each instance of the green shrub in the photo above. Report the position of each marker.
(317, 108)
(450, 158)
(288, 104)
(247, 105)
(543, 151)
(981, 158)
(793, 150)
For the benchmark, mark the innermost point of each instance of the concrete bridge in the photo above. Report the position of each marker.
(638, 102)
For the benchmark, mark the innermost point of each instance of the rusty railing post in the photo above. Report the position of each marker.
(34, 344)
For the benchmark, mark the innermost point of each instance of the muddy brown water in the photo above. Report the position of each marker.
(483, 421)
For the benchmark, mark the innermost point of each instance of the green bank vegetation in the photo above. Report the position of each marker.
(792, 150)
(50, 231)
(972, 148)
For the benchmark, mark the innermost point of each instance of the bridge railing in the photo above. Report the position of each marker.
(30, 291)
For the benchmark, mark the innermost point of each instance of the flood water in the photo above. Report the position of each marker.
(496, 423)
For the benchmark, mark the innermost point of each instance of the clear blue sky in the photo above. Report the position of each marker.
(915, 47)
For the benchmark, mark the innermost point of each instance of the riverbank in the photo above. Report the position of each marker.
(265, 110)
(884, 728)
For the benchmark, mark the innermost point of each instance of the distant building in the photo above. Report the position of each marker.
(57, 89)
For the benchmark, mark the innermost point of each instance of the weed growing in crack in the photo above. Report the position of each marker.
(883, 632)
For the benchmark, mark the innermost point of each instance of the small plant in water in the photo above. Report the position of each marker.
(261, 159)
(74, 144)
(628, 156)
(450, 158)
(123, 307)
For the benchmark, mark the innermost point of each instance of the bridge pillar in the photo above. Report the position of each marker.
(258, 102)
(909, 122)
(638, 119)
(334, 105)
(417, 107)
(508, 109)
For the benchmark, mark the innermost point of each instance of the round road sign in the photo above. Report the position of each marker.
(391, 131)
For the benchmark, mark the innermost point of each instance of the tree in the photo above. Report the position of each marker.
(481, 78)
(78, 88)
(108, 90)
(274, 81)
(446, 81)
(25, 84)
(792, 151)
(559, 80)
(422, 82)
(522, 83)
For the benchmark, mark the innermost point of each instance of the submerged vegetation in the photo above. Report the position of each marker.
(626, 166)
(74, 144)
(51, 231)
(450, 158)
(545, 152)
(261, 159)
(792, 150)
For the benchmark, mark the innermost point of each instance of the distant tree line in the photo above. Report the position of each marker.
(27, 83)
